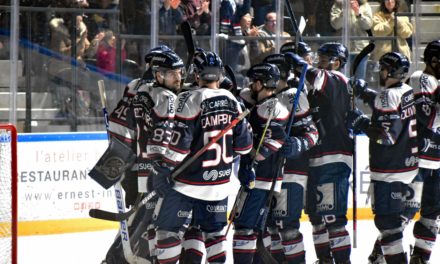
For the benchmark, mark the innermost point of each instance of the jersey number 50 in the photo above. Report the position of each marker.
(220, 150)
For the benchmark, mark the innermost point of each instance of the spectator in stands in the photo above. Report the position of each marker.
(61, 31)
(169, 19)
(261, 9)
(384, 26)
(106, 54)
(360, 20)
(318, 14)
(266, 46)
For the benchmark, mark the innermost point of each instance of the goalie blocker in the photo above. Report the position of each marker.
(116, 159)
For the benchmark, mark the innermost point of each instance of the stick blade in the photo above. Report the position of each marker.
(105, 215)
(364, 52)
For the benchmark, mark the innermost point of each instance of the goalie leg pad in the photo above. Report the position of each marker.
(244, 245)
(388, 197)
(327, 189)
(116, 159)
(193, 245)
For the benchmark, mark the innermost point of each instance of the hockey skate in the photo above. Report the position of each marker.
(376, 256)
(324, 261)
(417, 259)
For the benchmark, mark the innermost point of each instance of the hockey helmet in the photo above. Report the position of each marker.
(396, 64)
(208, 65)
(267, 73)
(334, 50)
(152, 51)
(302, 50)
(432, 50)
(280, 61)
(166, 60)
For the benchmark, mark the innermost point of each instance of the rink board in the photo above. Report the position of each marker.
(55, 192)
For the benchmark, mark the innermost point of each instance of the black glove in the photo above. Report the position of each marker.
(295, 60)
(359, 87)
(161, 176)
(293, 147)
(357, 121)
(246, 172)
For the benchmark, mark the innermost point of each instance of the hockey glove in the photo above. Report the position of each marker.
(246, 172)
(293, 147)
(357, 121)
(359, 87)
(296, 61)
(161, 176)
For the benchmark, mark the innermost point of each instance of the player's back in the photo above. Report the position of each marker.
(200, 115)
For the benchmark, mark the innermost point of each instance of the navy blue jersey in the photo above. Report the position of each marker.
(200, 115)
(274, 138)
(427, 99)
(302, 127)
(153, 108)
(393, 136)
(329, 102)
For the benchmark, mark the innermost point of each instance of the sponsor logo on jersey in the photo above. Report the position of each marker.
(411, 161)
(396, 195)
(240, 243)
(213, 175)
(216, 208)
(279, 213)
(170, 104)
(183, 214)
(384, 100)
(182, 101)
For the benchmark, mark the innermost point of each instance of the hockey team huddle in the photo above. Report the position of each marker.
(291, 148)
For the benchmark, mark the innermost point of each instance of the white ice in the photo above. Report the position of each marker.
(91, 247)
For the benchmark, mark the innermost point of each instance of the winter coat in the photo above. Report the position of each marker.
(357, 25)
(383, 26)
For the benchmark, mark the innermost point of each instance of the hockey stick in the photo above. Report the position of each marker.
(294, 23)
(120, 202)
(238, 198)
(185, 27)
(231, 75)
(264, 254)
(120, 216)
(357, 60)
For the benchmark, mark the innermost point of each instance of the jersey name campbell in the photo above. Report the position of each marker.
(200, 115)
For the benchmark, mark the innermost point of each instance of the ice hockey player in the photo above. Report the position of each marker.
(258, 168)
(330, 160)
(202, 187)
(289, 202)
(427, 100)
(393, 150)
(122, 126)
